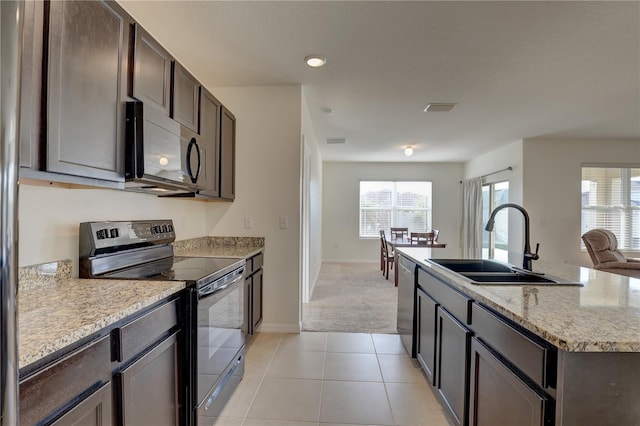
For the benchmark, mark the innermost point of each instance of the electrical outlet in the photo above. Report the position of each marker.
(248, 222)
(284, 222)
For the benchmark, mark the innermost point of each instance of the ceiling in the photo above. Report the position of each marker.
(515, 69)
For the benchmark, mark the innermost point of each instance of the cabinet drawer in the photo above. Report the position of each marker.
(54, 388)
(533, 357)
(254, 263)
(137, 335)
(452, 300)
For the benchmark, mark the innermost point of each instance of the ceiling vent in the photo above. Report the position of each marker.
(335, 141)
(441, 107)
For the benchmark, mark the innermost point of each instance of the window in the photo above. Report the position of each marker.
(611, 200)
(394, 204)
(495, 244)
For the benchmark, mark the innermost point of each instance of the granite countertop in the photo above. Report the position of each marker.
(601, 316)
(55, 311)
(238, 247)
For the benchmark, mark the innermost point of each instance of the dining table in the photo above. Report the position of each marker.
(405, 241)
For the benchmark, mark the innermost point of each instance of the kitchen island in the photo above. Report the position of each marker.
(581, 343)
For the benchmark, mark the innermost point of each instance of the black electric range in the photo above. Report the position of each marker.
(214, 317)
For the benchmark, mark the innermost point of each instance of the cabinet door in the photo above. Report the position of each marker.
(86, 89)
(95, 410)
(248, 310)
(227, 154)
(452, 369)
(186, 97)
(149, 388)
(498, 395)
(31, 84)
(208, 183)
(427, 334)
(151, 74)
(256, 299)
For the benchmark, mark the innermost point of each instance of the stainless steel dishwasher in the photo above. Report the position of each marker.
(406, 304)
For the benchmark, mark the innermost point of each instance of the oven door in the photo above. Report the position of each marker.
(219, 345)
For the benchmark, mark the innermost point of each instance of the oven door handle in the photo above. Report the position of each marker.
(211, 288)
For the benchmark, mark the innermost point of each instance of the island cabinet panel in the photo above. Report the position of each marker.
(500, 396)
(227, 154)
(86, 89)
(452, 371)
(427, 334)
(151, 73)
(186, 97)
(64, 386)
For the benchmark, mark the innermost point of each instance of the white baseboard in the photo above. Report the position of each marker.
(350, 261)
(280, 328)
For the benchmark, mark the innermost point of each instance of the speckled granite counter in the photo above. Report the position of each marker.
(602, 316)
(240, 247)
(55, 311)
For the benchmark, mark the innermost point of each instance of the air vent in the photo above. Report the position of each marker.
(335, 141)
(439, 107)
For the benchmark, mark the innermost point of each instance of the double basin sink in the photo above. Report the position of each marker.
(491, 272)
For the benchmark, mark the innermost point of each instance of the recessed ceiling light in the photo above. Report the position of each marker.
(315, 61)
(408, 151)
(439, 107)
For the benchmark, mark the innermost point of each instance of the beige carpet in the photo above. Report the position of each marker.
(352, 297)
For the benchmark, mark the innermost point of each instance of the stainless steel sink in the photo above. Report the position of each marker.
(491, 272)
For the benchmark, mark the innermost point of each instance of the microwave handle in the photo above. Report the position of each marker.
(193, 143)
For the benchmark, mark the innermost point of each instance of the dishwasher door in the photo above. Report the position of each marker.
(406, 304)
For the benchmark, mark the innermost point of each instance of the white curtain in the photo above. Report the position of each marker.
(471, 226)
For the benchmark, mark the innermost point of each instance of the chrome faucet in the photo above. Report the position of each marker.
(528, 256)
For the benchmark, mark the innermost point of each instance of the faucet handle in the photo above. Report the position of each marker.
(535, 255)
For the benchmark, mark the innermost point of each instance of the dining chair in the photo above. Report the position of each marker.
(387, 257)
(422, 238)
(399, 233)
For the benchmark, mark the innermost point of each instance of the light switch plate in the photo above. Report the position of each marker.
(284, 222)
(248, 222)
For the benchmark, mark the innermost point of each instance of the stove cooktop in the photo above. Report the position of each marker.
(193, 270)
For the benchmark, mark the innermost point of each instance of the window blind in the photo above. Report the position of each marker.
(394, 204)
(611, 200)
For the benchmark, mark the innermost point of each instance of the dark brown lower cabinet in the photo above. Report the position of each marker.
(427, 334)
(150, 387)
(499, 396)
(452, 370)
(95, 410)
(254, 285)
(74, 386)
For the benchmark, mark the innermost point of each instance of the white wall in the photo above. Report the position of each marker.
(552, 176)
(340, 206)
(315, 196)
(267, 187)
(49, 218)
(499, 159)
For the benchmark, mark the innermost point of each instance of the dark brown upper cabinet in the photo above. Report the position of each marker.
(186, 98)
(86, 87)
(227, 154)
(209, 182)
(151, 73)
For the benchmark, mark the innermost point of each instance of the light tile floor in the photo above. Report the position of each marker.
(317, 378)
